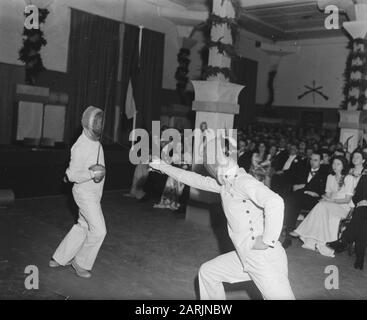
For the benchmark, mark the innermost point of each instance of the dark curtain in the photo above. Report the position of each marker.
(146, 75)
(130, 55)
(92, 66)
(10, 75)
(245, 72)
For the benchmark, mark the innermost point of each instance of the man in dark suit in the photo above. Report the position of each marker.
(307, 191)
(281, 156)
(283, 178)
(244, 155)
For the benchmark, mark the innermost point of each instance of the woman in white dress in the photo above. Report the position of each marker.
(322, 223)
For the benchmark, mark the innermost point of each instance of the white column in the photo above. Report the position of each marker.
(216, 103)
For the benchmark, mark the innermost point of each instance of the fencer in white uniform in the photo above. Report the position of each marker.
(254, 217)
(81, 245)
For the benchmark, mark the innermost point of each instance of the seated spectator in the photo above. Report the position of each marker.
(260, 165)
(244, 156)
(302, 153)
(306, 194)
(326, 157)
(155, 182)
(322, 223)
(283, 179)
(281, 156)
(357, 166)
(356, 230)
(309, 152)
(172, 195)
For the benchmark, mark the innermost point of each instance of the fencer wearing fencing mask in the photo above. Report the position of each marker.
(86, 170)
(254, 219)
(92, 123)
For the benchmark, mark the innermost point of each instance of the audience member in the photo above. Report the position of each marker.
(261, 164)
(307, 191)
(322, 223)
(356, 230)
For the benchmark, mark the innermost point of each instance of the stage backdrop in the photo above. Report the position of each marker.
(145, 73)
(92, 68)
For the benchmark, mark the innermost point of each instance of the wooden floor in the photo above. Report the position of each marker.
(147, 254)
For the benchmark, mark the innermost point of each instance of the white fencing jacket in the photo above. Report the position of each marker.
(83, 155)
(251, 208)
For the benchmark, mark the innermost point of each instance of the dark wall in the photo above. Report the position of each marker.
(302, 115)
(10, 76)
(34, 173)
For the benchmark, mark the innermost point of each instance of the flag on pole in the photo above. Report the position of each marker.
(130, 108)
(140, 42)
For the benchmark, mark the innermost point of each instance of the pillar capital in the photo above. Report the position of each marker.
(357, 29)
(216, 96)
(353, 124)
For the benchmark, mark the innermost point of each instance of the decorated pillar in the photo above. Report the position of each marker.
(216, 98)
(353, 117)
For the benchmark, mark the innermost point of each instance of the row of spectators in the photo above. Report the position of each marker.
(309, 168)
(316, 176)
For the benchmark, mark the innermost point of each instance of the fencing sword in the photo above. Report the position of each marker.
(104, 114)
(98, 167)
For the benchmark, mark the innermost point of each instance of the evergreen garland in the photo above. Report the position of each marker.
(223, 48)
(181, 73)
(355, 75)
(182, 69)
(211, 71)
(33, 40)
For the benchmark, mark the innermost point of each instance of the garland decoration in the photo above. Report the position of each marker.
(211, 71)
(355, 75)
(270, 84)
(33, 40)
(182, 69)
(223, 48)
(181, 73)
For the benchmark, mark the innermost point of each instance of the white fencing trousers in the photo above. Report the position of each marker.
(267, 268)
(85, 238)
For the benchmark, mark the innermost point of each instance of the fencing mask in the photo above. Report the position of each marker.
(92, 122)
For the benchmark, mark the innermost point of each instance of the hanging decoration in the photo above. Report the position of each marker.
(314, 90)
(271, 76)
(33, 40)
(182, 69)
(355, 88)
(211, 71)
(223, 48)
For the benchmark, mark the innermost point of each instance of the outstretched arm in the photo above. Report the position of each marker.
(272, 203)
(189, 178)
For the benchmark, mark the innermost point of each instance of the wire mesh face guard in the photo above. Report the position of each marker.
(92, 122)
(215, 161)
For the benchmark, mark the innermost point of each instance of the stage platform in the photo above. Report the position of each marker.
(33, 172)
(147, 254)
